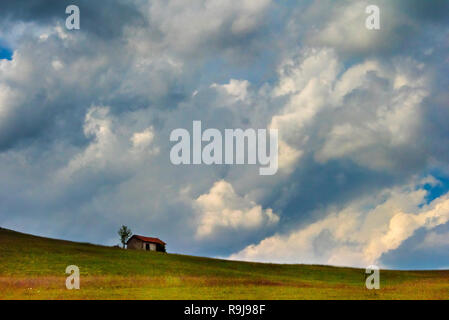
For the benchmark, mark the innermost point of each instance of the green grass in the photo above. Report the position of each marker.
(34, 268)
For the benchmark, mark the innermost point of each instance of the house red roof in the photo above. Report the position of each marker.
(147, 239)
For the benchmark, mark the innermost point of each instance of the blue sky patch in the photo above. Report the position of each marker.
(439, 189)
(5, 53)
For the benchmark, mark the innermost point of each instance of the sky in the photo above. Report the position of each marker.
(362, 116)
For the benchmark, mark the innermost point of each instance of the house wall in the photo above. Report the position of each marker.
(135, 244)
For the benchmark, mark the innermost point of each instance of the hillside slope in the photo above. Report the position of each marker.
(34, 268)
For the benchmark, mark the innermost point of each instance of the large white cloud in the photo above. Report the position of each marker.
(358, 234)
(112, 146)
(364, 113)
(221, 208)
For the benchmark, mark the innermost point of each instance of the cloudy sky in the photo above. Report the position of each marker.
(86, 116)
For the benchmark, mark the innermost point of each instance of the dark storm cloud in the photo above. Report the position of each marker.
(105, 19)
(433, 11)
(111, 76)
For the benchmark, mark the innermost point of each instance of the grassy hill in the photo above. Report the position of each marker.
(34, 268)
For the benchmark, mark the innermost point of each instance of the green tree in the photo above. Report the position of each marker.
(125, 233)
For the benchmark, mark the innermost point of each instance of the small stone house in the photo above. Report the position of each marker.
(137, 242)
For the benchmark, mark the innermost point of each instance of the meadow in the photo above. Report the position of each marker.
(34, 268)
